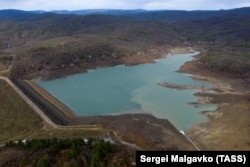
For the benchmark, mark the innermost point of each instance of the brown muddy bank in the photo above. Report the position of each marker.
(228, 127)
(144, 130)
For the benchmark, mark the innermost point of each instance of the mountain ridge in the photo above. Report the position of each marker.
(139, 14)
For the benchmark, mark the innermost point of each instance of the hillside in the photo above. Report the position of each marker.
(162, 15)
(91, 40)
(41, 43)
(226, 43)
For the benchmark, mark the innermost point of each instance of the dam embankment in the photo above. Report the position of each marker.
(54, 109)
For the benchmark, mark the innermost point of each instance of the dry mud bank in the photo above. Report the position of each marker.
(144, 130)
(228, 127)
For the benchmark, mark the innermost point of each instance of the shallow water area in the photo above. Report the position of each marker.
(130, 89)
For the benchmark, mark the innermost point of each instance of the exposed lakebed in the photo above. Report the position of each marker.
(132, 89)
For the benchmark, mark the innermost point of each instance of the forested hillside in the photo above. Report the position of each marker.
(44, 41)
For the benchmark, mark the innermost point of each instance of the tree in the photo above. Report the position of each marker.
(73, 163)
(23, 160)
(84, 161)
(42, 163)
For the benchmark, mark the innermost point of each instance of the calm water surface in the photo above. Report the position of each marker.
(132, 89)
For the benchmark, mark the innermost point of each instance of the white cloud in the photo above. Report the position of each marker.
(195, 4)
(68, 4)
(121, 4)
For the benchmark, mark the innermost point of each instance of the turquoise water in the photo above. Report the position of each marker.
(132, 89)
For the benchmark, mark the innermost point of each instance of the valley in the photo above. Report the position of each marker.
(47, 46)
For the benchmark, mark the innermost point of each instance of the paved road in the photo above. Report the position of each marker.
(197, 148)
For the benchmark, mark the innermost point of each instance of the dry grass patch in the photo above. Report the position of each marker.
(17, 119)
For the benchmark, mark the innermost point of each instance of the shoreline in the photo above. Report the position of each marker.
(160, 133)
(135, 122)
(141, 57)
(227, 127)
(143, 130)
(71, 114)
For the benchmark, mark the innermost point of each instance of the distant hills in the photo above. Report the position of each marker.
(56, 40)
(162, 15)
(12, 14)
(139, 14)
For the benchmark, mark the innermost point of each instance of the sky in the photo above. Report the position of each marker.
(123, 4)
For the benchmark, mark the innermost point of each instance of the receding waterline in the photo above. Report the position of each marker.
(132, 89)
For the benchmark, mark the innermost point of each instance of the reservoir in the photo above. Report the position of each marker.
(132, 89)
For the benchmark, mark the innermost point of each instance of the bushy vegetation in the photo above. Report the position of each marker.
(55, 42)
(225, 42)
(230, 61)
(63, 152)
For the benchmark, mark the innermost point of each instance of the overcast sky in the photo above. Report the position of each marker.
(123, 4)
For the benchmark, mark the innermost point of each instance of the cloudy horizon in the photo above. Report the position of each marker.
(123, 4)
